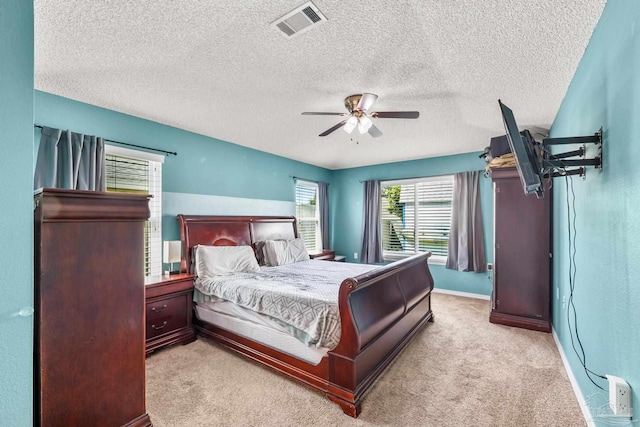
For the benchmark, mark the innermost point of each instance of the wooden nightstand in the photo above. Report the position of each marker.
(325, 255)
(169, 302)
(328, 255)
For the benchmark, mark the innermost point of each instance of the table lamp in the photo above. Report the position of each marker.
(172, 253)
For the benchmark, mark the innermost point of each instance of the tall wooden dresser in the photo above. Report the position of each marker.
(89, 355)
(522, 254)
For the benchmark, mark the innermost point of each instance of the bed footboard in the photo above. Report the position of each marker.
(380, 312)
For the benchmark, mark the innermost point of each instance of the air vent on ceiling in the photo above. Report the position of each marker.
(300, 20)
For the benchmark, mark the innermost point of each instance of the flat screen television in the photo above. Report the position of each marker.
(523, 147)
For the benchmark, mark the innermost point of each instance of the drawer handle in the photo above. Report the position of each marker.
(158, 309)
(159, 327)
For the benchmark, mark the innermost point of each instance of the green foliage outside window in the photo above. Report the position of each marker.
(392, 193)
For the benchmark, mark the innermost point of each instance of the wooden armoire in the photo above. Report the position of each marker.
(522, 254)
(89, 356)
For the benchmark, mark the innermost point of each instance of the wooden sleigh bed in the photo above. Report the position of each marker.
(380, 311)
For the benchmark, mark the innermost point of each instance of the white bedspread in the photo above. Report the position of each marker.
(303, 295)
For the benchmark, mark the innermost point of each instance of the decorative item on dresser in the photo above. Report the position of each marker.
(522, 251)
(379, 311)
(89, 361)
(169, 302)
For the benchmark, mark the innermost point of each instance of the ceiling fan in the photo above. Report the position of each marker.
(358, 105)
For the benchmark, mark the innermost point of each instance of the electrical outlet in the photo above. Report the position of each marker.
(355, 255)
(489, 266)
(619, 397)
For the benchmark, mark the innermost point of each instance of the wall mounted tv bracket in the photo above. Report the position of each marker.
(560, 163)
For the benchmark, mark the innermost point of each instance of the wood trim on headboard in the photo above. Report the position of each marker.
(231, 231)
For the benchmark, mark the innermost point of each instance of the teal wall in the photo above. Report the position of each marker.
(203, 166)
(348, 194)
(16, 222)
(605, 91)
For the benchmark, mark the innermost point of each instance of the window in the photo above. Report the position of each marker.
(130, 171)
(417, 210)
(308, 215)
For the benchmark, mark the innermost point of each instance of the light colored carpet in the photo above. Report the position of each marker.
(459, 371)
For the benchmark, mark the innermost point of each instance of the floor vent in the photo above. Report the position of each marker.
(300, 20)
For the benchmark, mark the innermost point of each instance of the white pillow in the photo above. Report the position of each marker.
(280, 252)
(222, 260)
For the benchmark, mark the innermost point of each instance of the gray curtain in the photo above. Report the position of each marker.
(372, 230)
(466, 239)
(70, 160)
(323, 207)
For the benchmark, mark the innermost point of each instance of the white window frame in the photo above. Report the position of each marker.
(316, 218)
(393, 256)
(155, 203)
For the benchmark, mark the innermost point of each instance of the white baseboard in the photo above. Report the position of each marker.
(460, 294)
(584, 407)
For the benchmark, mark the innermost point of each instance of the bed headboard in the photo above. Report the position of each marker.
(231, 231)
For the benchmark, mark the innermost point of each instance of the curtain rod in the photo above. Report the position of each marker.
(305, 179)
(418, 177)
(166, 153)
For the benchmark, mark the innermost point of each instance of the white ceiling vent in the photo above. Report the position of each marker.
(300, 20)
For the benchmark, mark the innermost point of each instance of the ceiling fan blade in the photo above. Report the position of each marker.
(366, 101)
(336, 127)
(315, 113)
(374, 131)
(396, 114)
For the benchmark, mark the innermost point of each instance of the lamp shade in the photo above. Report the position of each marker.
(364, 124)
(172, 251)
(351, 124)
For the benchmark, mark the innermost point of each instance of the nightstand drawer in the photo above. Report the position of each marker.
(166, 315)
(167, 306)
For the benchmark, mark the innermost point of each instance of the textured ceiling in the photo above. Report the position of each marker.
(218, 68)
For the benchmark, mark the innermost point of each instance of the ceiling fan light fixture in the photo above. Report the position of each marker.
(358, 106)
(364, 124)
(351, 124)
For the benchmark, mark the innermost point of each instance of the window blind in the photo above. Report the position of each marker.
(141, 176)
(307, 214)
(417, 211)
